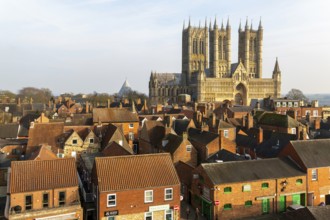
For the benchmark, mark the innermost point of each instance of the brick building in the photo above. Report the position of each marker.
(44, 189)
(128, 120)
(136, 187)
(247, 188)
(180, 149)
(313, 157)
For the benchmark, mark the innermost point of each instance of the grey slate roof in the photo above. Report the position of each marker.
(203, 137)
(251, 170)
(9, 130)
(313, 153)
(180, 126)
(240, 109)
(174, 142)
(89, 159)
(225, 156)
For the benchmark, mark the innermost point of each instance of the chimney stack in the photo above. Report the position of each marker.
(87, 107)
(260, 137)
(249, 123)
(214, 118)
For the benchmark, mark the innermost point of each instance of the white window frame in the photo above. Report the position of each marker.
(289, 104)
(165, 194)
(131, 125)
(145, 196)
(226, 133)
(247, 188)
(308, 112)
(188, 147)
(283, 104)
(314, 174)
(168, 212)
(295, 104)
(315, 113)
(115, 200)
(91, 142)
(293, 131)
(278, 104)
(131, 136)
(148, 214)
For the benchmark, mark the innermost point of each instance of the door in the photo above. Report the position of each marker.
(296, 199)
(265, 206)
(303, 199)
(327, 199)
(310, 199)
(206, 209)
(282, 203)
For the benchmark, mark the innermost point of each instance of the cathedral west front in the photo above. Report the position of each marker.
(208, 73)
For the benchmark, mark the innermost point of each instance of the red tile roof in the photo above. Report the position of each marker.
(36, 175)
(114, 115)
(43, 152)
(46, 133)
(135, 172)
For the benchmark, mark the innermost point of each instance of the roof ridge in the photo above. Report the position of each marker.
(140, 155)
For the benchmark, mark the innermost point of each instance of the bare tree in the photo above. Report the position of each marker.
(296, 94)
(42, 95)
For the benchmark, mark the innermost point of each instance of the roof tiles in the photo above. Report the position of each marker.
(135, 172)
(28, 176)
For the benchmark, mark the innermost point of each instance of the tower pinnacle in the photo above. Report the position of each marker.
(228, 25)
(240, 25)
(260, 25)
(215, 23)
(277, 67)
(247, 24)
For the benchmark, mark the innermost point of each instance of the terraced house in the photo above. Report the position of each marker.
(136, 187)
(44, 189)
(240, 189)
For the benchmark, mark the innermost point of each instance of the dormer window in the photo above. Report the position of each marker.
(91, 140)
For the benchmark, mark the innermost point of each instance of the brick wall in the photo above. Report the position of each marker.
(182, 154)
(72, 197)
(319, 187)
(131, 202)
(237, 197)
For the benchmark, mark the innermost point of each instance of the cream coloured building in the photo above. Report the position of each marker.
(208, 73)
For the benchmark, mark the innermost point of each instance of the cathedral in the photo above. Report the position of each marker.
(208, 73)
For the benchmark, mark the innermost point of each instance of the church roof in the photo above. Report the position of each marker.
(125, 88)
(168, 78)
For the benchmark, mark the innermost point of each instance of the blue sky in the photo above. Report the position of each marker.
(94, 45)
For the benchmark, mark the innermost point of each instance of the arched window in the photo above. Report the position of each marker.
(202, 47)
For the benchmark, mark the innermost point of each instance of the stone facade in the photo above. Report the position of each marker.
(207, 71)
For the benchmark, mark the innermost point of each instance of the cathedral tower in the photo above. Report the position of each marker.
(250, 49)
(220, 50)
(194, 51)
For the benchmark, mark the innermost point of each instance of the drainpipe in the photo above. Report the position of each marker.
(276, 195)
(8, 197)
